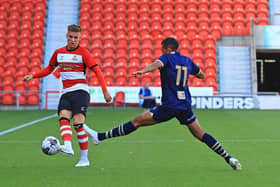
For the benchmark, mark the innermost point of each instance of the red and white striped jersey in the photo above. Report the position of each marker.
(73, 66)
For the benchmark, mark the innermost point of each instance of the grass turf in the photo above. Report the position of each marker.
(162, 155)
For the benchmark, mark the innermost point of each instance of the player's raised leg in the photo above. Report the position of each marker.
(66, 134)
(143, 119)
(213, 144)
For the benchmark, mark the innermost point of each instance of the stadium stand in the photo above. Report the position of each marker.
(197, 24)
(21, 48)
(127, 34)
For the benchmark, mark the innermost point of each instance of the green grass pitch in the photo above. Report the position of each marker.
(162, 155)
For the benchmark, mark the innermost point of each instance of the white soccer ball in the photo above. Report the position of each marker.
(50, 145)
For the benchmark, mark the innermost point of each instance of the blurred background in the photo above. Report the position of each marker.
(235, 42)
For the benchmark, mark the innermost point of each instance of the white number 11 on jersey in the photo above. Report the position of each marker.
(179, 74)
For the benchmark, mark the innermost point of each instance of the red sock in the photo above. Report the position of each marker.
(82, 136)
(65, 129)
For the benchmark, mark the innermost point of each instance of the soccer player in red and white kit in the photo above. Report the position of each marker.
(73, 61)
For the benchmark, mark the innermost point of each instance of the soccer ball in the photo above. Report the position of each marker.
(50, 145)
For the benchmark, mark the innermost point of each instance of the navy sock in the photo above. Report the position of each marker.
(121, 130)
(215, 146)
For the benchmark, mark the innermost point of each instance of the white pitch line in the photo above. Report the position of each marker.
(26, 124)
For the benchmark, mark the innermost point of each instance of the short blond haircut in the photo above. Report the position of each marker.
(74, 28)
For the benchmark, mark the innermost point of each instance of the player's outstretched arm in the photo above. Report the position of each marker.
(42, 73)
(102, 82)
(149, 68)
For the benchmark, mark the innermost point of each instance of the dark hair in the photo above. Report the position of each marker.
(74, 28)
(171, 43)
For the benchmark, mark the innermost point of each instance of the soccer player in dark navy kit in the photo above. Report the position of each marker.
(176, 101)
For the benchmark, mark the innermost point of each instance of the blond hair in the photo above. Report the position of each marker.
(74, 28)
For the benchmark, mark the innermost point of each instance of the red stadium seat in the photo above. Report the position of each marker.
(147, 40)
(8, 84)
(157, 52)
(211, 82)
(7, 99)
(197, 82)
(216, 31)
(197, 48)
(3, 24)
(109, 49)
(191, 31)
(210, 72)
(121, 58)
(134, 40)
(198, 59)
(227, 13)
(33, 99)
(120, 65)
(226, 4)
(210, 48)
(214, 4)
(238, 4)
(155, 28)
(144, 30)
(191, 4)
(13, 34)
(121, 81)
(146, 59)
(147, 50)
(25, 43)
(3, 15)
(179, 29)
(203, 11)
(109, 81)
(133, 49)
(120, 28)
(132, 81)
(121, 72)
(134, 58)
(209, 40)
(14, 15)
(132, 28)
(239, 27)
(119, 99)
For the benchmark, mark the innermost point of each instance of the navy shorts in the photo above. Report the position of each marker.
(76, 101)
(164, 113)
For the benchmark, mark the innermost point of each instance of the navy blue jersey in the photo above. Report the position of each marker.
(174, 79)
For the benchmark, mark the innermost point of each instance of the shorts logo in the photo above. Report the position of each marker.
(83, 108)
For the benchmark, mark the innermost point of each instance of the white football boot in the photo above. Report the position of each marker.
(66, 150)
(82, 163)
(92, 134)
(235, 164)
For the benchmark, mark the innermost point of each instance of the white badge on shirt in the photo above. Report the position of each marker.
(181, 95)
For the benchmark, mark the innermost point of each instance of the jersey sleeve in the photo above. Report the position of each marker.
(195, 69)
(53, 60)
(88, 60)
(49, 69)
(163, 59)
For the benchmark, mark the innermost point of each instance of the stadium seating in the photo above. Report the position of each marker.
(195, 23)
(124, 35)
(21, 48)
